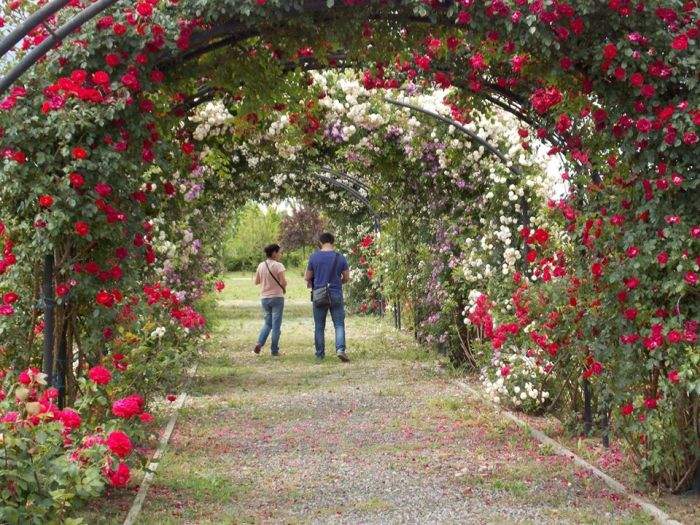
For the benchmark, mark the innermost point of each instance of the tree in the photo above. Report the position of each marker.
(301, 229)
(253, 229)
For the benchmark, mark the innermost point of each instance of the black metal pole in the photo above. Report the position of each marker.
(59, 374)
(605, 423)
(49, 304)
(587, 416)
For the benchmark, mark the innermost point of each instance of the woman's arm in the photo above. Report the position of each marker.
(283, 280)
(257, 277)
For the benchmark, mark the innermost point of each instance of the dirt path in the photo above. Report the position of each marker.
(385, 439)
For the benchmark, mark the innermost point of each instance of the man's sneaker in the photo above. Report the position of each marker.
(276, 354)
(343, 357)
(257, 349)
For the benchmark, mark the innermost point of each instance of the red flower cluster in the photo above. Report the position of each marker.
(100, 375)
(128, 407)
(119, 443)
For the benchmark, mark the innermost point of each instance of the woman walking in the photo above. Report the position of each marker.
(270, 276)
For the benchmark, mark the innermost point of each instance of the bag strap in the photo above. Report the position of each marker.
(275, 278)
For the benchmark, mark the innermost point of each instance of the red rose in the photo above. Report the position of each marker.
(112, 60)
(10, 298)
(631, 282)
(626, 409)
(100, 375)
(128, 407)
(105, 298)
(70, 418)
(45, 201)
(673, 376)
(119, 443)
(119, 477)
(650, 403)
(24, 377)
(632, 252)
(609, 52)
(102, 189)
(662, 258)
(691, 278)
(19, 157)
(82, 228)
(597, 269)
(144, 9)
(79, 153)
(643, 125)
(100, 77)
(76, 180)
(680, 43)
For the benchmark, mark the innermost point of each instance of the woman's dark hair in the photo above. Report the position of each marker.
(272, 249)
(326, 238)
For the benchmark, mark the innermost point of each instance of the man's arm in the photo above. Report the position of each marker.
(345, 273)
(256, 280)
(309, 277)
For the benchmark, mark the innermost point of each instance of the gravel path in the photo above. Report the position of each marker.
(384, 439)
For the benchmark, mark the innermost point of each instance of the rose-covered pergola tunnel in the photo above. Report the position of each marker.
(204, 104)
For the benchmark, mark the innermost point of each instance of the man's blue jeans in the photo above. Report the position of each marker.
(272, 310)
(338, 316)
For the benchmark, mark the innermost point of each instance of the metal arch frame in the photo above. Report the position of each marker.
(345, 175)
(376, 219)
(473, 136)
(56, 36)
(524, 209)
(32, 22)
(231, 30)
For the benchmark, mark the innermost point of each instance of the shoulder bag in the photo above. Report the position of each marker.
(321, 297)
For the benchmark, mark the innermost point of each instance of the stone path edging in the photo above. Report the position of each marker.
(162, 445)
(659, 515)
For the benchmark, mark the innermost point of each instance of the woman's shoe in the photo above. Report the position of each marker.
(257, 348)
(343, 357)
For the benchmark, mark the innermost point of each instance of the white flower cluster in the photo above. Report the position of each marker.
(518, 380)
(474, 267)
(212, 119)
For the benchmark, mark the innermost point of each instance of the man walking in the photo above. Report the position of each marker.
(270, 275)
(326, 273)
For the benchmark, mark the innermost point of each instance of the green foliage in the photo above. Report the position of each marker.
(253, 229)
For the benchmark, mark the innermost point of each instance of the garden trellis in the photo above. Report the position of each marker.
(101, 169)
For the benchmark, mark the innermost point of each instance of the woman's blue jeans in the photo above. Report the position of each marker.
(338, 316)
(273, 307)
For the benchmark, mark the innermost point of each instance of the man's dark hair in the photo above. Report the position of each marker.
(326, 238)
(271, 249)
